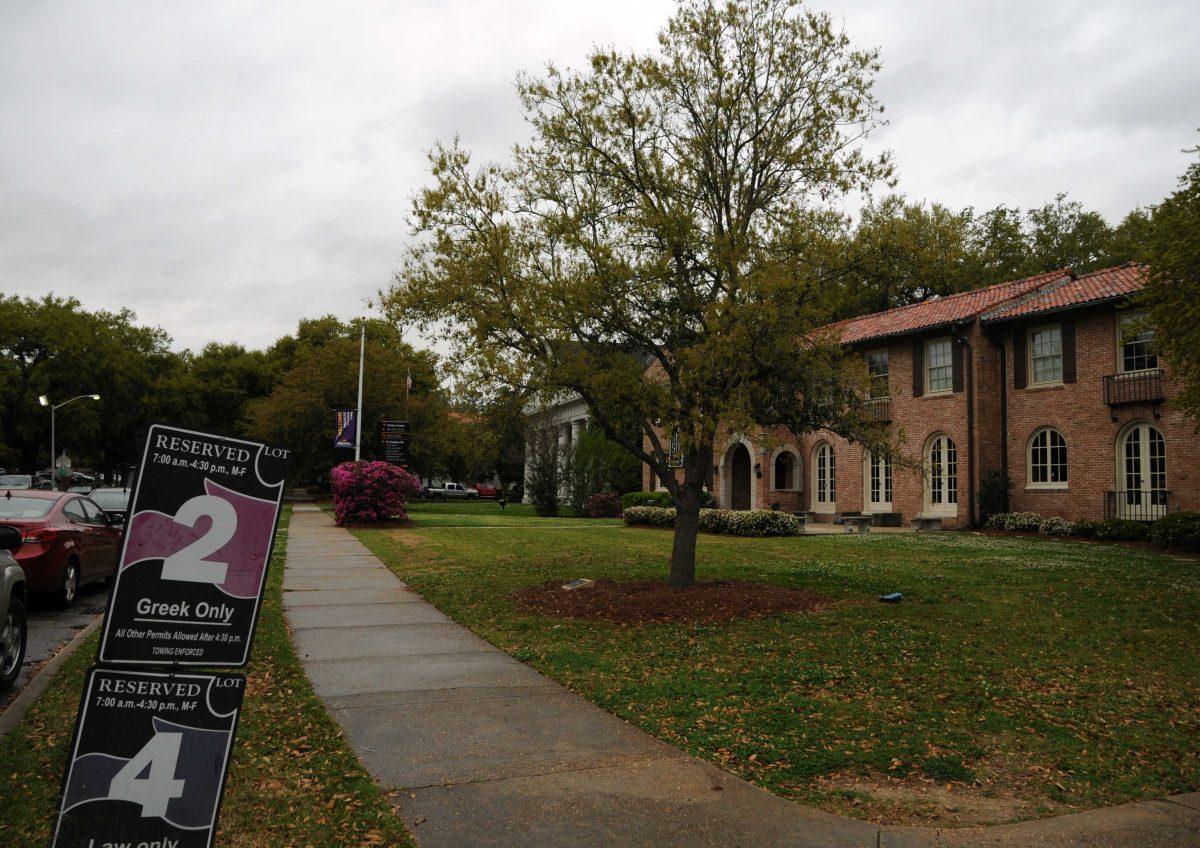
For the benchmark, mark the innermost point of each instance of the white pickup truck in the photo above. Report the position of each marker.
(446, 491)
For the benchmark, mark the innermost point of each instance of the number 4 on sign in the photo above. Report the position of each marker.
(158, 788)
(189, 565)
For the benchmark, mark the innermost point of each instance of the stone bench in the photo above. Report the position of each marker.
(925, 523)
(857, 523)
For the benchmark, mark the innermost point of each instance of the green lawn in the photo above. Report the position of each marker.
(487, 513)
(293, 779)
(1019, 677)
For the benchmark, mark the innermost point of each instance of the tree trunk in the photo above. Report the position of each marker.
(687, 518)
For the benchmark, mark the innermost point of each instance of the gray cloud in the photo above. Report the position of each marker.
(225, 169)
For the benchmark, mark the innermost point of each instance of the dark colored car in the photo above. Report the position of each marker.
(68, 541)
(114, 501)
(14, 631)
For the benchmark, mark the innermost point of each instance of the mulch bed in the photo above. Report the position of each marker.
(642, 601)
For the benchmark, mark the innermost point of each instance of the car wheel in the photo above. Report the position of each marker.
(70, 585)
(13, 636)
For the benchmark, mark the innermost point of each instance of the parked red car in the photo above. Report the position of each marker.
(68, 540)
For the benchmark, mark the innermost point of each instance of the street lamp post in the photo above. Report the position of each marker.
(45, 401)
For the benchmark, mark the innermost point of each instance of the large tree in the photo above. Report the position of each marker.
(1172, 249)
(659, 214)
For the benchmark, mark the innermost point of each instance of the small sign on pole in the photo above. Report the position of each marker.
(395, 438)
(193, 564)
(149, 759)
(345, 435)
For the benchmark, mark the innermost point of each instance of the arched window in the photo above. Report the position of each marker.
(1048, 460)
(877, 481)
(824, 478)
(941, 480)
(787, 476)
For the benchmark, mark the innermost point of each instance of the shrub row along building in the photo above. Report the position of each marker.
(1040, 379)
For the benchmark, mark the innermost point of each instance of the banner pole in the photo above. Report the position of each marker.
(362, 347)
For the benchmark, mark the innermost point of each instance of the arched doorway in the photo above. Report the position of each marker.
(737, 462)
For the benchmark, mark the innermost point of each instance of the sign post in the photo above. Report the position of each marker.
(395, 437)
(149, 759)
(193, 565)
(153, 738)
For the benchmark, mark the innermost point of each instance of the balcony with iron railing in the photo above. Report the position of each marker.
(1137, 504)
(1135, 387)
(878, 410)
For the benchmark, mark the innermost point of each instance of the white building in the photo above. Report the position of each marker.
(565, 415)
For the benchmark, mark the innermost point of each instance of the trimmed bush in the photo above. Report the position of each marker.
(758, 522)
(662, 499)
(1122, 530)
(1179, 530)
(649, 516)
(994, 488)
(1056, 527)
(371, 491)
(1030, 521)
(1085, 528)
(604, 505)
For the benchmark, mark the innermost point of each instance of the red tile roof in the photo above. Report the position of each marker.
(942, 310)
(1108, 284)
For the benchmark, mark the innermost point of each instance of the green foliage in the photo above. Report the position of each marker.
(729, 522)
(1122, 530)
(661, 215)
(662, 499)
(1027, 521)
(1178, 530)
(994, 489)
(1086, 528)
(946, 768)
(1054, 526)
(319, 374)
(596, 464)
(1173, 294)
(543, 472)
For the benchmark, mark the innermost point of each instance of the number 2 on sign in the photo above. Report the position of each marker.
(189, 564)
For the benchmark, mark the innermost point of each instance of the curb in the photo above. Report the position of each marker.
(33, 690)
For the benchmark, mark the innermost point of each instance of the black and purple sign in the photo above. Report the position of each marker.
(149, 759)
(197, 542)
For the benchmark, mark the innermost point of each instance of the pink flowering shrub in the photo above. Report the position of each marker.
(371, 491)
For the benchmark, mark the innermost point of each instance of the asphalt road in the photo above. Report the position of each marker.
(50, 628)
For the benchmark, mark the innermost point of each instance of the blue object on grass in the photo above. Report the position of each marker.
(893, 598)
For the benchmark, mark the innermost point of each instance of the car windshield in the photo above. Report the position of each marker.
(112, 499)
(15, 507)
(16, 481)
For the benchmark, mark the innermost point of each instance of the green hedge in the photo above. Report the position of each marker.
(662, 499)
(1179, 530)
(758, 522)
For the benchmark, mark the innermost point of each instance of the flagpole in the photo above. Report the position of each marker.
(362, 347)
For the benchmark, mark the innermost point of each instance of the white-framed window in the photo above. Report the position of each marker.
(1045, 355)
(939, 366)
(877, 481)
(824, 478)
(786, 472)
(877, 370)
(1137, 351)
(1047, 460)
(941, 476)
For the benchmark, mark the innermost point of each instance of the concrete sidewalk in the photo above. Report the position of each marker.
(485, 751)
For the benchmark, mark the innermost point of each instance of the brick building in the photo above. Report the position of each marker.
(1040, 378)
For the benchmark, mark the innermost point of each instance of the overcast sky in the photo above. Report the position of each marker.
(225, 169)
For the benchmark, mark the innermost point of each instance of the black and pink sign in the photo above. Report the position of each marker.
(149, 759)
(197, 542)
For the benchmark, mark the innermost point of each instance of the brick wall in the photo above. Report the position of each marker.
(1078, 411)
